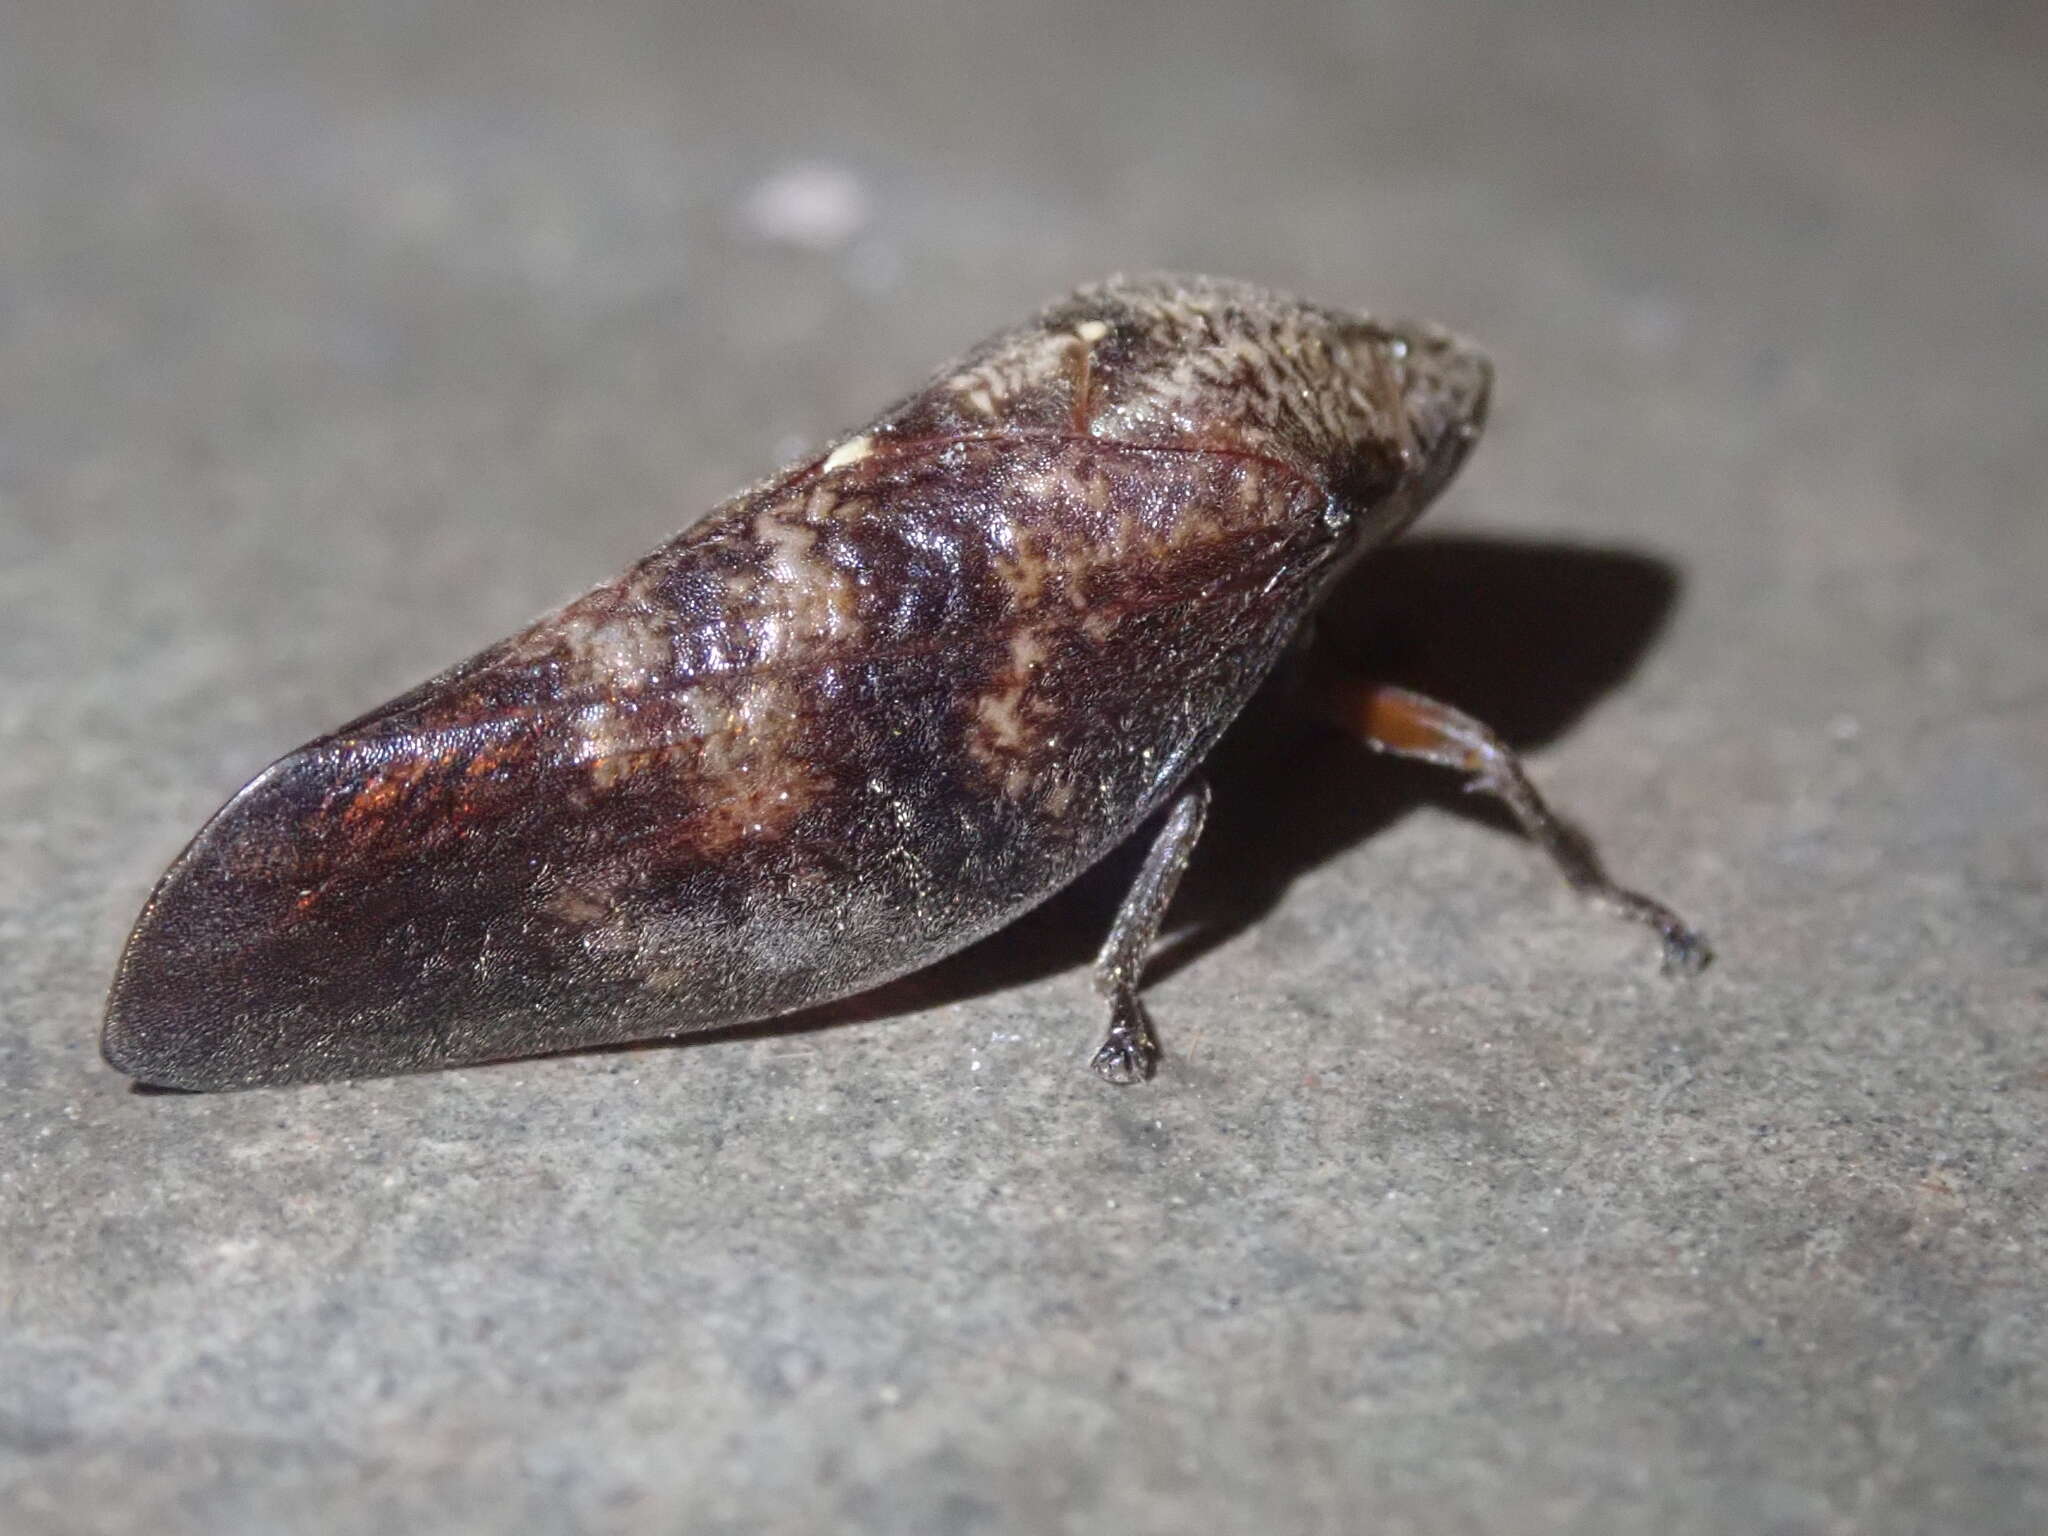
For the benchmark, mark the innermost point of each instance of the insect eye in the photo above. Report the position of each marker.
(1370, 476)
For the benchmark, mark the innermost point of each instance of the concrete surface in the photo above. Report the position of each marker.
(335, 340)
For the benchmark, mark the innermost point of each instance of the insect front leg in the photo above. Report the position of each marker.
(1129, 1050)
(1409, 725)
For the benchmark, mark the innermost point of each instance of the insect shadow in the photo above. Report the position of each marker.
(1524, 635)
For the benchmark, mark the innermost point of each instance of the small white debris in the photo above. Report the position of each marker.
(852, 451)
(810, 206)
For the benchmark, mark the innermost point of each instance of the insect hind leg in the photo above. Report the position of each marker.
(1406, 724)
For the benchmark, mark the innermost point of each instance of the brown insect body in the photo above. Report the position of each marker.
(856, 718)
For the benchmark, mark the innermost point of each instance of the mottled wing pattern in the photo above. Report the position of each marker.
(782, 759)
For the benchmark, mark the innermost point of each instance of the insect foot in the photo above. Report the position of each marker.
(1129, 1052)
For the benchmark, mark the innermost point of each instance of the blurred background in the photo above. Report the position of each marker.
(338, 340)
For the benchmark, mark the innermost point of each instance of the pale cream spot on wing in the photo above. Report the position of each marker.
(609, 649)
(736, 749)
(1039, 485)
(790, 545)
(1001, 734)
(612, 743)
(1127, 534)
(1059, 797)
(1025, 573)
(1071, 486)
(1195, 524)
(809, 599)
(577, 907)
(753, 781)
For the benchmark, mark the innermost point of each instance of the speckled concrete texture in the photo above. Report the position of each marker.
(336, 340)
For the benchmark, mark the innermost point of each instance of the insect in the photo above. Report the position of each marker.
(858, 717)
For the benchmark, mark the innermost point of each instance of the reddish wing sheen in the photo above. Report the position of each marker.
(851, 722)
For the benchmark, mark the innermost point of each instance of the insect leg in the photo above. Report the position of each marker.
(1409, 725)
(1128, 1050)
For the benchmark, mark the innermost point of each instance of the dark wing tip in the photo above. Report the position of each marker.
(194, 1000)
(363, 907)
(158, 1029)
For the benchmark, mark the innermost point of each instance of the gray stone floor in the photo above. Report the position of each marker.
(335, 340)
